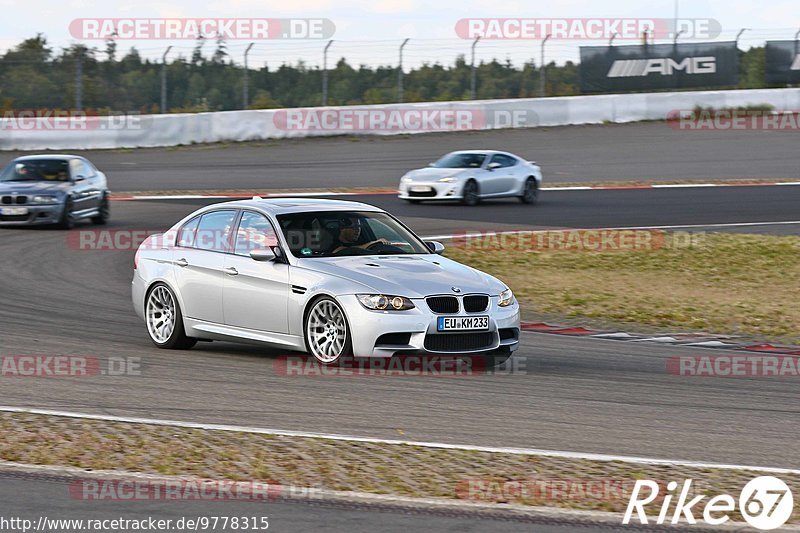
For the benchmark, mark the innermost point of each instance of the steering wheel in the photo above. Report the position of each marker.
(383, 247)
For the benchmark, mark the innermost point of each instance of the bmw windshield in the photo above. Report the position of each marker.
(347, 233)
(36, 170)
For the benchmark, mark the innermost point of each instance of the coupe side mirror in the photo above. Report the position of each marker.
(79, 178)
(435, 247)
(262, 255)
(493, 166)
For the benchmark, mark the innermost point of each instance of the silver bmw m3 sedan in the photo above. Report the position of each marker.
(333, 278)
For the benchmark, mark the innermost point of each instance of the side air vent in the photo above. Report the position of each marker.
(297, 289)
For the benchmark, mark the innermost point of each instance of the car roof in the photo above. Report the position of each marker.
(285, 205)
(48, 156)
(487, 152)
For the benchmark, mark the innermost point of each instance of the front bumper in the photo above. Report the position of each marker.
(386, 333)
(430, 190)
(36, 214)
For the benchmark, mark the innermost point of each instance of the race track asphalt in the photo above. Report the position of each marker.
(640, 152)
(573, 394)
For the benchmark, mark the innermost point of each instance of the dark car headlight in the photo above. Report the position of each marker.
(44, 199)
(383, 302)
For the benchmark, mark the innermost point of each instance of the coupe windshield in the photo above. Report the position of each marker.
(460, 161)
(343, 233)
(36, 170)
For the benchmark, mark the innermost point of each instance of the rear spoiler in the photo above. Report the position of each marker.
(533, 162)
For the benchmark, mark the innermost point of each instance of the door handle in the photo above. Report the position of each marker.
(231, 271)
(182, 262)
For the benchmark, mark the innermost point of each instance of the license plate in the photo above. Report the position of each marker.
(459, 323)
(419, 188)
(11, 211)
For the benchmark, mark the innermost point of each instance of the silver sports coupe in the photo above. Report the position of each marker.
(332, 278)
(472, 175)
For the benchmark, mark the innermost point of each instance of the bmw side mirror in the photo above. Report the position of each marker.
(493, 166)
(262, 255)
(79, 178)
(435, 247)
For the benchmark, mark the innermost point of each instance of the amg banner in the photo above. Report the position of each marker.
(658, 66)
(783, 62)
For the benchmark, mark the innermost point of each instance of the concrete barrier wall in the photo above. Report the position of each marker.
(251, 125)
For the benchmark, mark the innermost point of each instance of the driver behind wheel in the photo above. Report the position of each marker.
(350, 234)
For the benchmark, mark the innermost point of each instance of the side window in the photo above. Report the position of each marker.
(504, 160)
(510, 161)
(187, 232)
(214, 231)
(255, 232)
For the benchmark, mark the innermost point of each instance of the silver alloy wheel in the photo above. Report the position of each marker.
(326, 331)
(161, 313)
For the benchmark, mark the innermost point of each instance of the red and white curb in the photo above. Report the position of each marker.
(699, 340)
(238, 196)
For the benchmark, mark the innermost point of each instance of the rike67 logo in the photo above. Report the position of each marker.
(765, 503)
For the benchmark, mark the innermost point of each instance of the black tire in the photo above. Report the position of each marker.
(346, 353)
(67, 220)
(530, 192)
(471, 194)
(105, 212)
(178, 339)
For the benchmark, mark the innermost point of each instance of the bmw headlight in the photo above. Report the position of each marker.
(44, 199)
(449, 179)
(406, 179)
(506, 298)
(383, 302)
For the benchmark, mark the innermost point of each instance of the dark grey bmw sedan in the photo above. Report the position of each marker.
(52, 189)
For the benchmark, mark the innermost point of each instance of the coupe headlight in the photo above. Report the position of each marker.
(383, 302)
(450, 179)
(506, 298)
(405, 179)
(44, 199)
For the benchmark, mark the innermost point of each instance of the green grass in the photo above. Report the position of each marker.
(721, 283)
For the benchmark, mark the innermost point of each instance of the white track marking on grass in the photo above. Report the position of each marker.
(370, 440)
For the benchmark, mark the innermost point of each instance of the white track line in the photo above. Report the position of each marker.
(438, 445)
(559, 189)
(468, 234)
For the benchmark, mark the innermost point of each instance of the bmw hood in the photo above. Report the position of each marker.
(33, 187)
(433, 174)
(413, 276)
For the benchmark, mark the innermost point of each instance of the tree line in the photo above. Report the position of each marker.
(35, 76)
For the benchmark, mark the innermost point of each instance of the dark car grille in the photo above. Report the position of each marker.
(8, 200)
(443, 304)
(422, 194)
(459, 342)
(475, 303)
(13, 218)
